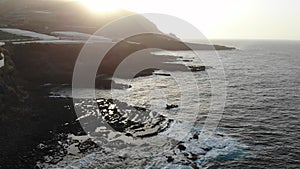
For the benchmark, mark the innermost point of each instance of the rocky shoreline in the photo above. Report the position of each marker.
(38, 131)
(71, 140)
(35, 129)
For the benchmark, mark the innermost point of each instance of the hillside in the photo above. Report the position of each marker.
(46, 16)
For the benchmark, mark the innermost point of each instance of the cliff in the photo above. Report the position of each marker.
(26, 117)
(10, 93)
(54, 63)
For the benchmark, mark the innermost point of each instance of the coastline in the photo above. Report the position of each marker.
(36, 118)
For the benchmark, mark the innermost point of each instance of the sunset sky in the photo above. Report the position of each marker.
(219, 19)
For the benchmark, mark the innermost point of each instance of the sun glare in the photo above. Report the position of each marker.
(208, 16)
(102, 5)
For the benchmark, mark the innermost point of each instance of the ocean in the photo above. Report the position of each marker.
(259, 125)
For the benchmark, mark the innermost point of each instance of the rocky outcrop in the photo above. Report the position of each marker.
(171, 106)
(70, 139)
(133, 121)
(197, 68)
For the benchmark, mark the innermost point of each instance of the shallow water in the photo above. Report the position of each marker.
(260, 123)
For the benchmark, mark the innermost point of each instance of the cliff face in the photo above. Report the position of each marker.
(45, 63)
(10, 93)
(41, 63)
(25, 117)
(15, 117)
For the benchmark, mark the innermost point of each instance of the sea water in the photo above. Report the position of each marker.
(259, 126)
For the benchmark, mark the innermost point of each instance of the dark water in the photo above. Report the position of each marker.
(259, 127)
(262, 108)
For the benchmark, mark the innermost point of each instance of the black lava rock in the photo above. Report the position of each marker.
(87, 145)
(170, 159)
(181, 147)
(194, 166)
(196, 136)
(197, 68)
(171, 106)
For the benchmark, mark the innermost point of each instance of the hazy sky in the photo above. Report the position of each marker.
(234, 19)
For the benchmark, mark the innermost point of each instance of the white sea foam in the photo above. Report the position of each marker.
(2, 60)
(79, 35)
(52, 41)
(59, 42)
(42, 12)
(217, 147)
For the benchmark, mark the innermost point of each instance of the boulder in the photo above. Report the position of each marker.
(171, 106)
(197, 68)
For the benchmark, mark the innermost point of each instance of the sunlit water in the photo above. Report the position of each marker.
(259, 127)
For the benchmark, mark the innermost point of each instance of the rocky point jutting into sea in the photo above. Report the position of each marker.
(90, 84)
(36, 128)
(41, 131)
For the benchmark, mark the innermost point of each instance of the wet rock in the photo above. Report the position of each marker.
(140, 108)
(206, 148)
(162, 74)
(115, 85)
(170, 159)
(48, 159)
(60, 145)
(187, 60)
(133, 121)
(220, 134)
(194, 166)
(41, 146)
(197, 68)
(128, 134)
(181, 147)
(171, 106)
(56, 160)
(87, 145)
(192, 156)
(196, 136)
